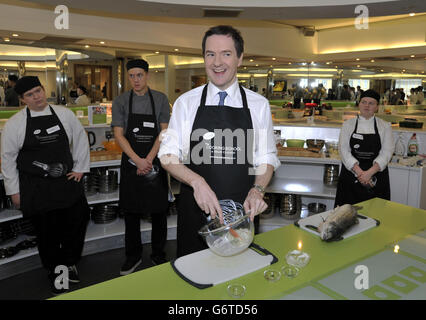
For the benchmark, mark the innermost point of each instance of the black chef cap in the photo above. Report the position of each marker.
(83, 88)
(137, 63)
(371, 94)
(26, 83)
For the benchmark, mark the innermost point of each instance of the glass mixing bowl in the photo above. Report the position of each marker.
(230, 239)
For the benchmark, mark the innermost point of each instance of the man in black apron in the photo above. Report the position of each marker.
(143, 182)
(365, 180)
(50, 191)
(221, 145)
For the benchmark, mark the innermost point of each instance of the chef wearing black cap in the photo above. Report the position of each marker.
(138, 116)
(366, 146)
(44, 153)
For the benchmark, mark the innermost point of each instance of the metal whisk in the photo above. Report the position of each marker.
(232, 211)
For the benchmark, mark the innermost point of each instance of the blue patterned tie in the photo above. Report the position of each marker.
(222, 96)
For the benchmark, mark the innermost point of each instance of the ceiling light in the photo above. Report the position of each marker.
(372, 60)
(15, 35)
(290, 62)
(101, 42)
(271, 65)
(412, 56)
(357, 65)
(257, 65)
(403, 70)
(274, 59)
(357, 59)
(176, 49)
(412, 14)
(251, 60)
(303, 63)
(6, 39)
(381, 70)
(157, 52)
(328, 62)
(245, 68)
(86, 46)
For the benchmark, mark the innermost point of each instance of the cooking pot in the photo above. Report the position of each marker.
(316, 207)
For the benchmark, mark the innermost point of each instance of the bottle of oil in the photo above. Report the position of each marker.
(413, 146)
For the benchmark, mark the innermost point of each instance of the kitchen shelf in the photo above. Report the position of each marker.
(94, 232)
(103, 198)
(307, 187)
(10, 214)
(105, 163)
(310, 160)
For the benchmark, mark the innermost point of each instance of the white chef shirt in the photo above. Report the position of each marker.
(13, 136)
(176, 140)
(366, 126)
(82, 100)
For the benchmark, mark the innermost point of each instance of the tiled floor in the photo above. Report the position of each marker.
(92, 269)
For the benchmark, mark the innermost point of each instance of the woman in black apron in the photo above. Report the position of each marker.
(57, 206)
(143, 193)
(227, 180)
(364, 148)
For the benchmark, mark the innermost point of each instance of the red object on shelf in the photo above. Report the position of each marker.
(311, 105)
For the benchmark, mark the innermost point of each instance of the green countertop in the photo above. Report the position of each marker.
(162, 283)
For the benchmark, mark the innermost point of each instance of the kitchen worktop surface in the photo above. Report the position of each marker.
(320, 278)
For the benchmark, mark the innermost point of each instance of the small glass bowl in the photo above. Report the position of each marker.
(290, 271)
(236, 290)
(272, 275)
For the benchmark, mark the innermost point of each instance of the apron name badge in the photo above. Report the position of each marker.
(37, 131)
(149, 124)
(135, 130)
(53, 129)
(358, 136)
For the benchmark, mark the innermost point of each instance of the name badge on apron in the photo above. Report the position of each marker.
(357, 136)
(149, 124)
(53, 129)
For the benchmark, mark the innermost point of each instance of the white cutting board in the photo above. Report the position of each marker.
(204, 268)
(315, 220)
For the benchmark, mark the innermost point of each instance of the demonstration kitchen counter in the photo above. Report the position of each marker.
(326, 276)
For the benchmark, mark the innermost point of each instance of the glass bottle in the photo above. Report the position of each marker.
(399, 146)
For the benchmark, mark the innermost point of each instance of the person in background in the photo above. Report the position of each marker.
(1, 95)
(366, 146)
(402, 93)
(208, 175)
(420, 95)
(11, 97)
(297, 95)
(104, 90)
(358, 94)
(352, 92)
(44, 154)
(73, 91)
(83, 99)
(138, 116)
(346, 95)
(331, 95)
(412, 98)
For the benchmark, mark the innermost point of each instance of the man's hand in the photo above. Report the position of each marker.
(254, 203)
(75, 175)
(16, 200)
(206, 198)
(143, 165)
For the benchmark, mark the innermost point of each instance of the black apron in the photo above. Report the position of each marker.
(365, 148)
(227, 180)
(137, 193)
(46, 142)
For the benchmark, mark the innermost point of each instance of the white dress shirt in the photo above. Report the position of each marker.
(176, 140)
(366, 126)
(13, 136)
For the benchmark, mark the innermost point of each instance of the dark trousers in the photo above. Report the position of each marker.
(133, 240)
(60, 234)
